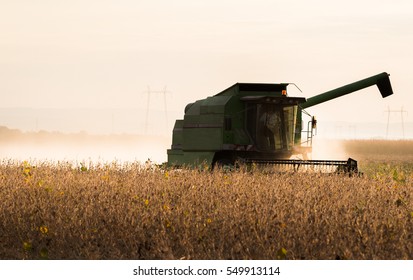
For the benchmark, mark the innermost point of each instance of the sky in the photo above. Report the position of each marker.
(105, 54)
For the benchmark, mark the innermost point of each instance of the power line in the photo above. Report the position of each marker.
(401, 112)
(150, 92)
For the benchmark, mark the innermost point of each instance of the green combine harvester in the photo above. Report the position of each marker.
(256, 123)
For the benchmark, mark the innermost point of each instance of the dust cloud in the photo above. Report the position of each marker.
(78, 147)
(329, 150)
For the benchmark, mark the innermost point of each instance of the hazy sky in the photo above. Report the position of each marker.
(105, 53)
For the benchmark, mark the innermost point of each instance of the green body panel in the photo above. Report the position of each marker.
(190, 159)
(177, 134)
(203, 139)
(175, 157)
(249, 121)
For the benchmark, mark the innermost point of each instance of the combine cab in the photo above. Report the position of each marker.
(256, 123)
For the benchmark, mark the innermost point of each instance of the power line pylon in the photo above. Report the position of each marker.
(149, 92)
(401, 112)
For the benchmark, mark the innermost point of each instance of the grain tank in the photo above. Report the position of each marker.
(254, 122)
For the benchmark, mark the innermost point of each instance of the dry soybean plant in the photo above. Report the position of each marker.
(133, 211)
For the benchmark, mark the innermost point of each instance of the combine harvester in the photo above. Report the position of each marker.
(257, 123)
